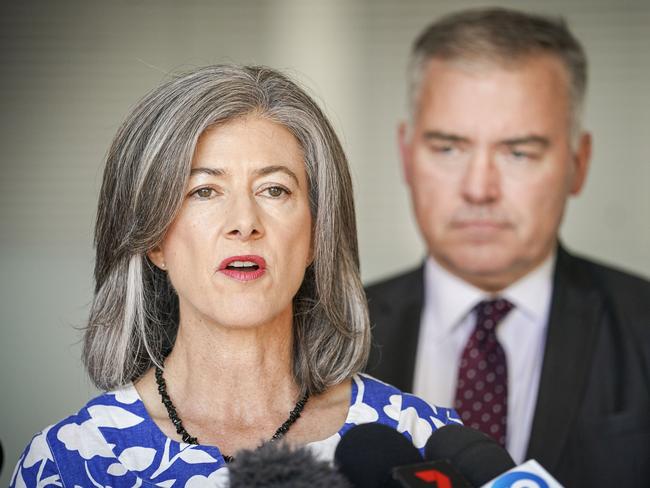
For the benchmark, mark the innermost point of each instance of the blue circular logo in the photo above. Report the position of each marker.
(519, 479)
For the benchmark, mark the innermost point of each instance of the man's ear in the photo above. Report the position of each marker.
(157, 257)
(404, 142)
(581, 160)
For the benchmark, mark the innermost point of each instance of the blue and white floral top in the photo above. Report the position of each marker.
(113, 442)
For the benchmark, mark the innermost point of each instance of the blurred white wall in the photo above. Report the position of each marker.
(69, 72)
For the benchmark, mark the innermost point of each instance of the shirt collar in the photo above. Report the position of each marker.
(532, 293)
(452, 298)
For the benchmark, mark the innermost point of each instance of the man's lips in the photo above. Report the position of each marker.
(479, 224)
(243, 268)
(480, 231)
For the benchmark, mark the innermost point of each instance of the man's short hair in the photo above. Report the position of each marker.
(503, 37)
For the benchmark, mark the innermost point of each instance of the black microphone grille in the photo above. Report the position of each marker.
(446, 441)
(367, 453)
(278, 465)
(477, 456)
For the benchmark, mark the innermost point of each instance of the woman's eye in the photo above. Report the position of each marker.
(204, 193)
(276, 191)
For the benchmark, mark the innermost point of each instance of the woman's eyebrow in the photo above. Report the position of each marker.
(267, 170)
(207, 171)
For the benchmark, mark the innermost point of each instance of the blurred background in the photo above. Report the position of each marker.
(70, 71)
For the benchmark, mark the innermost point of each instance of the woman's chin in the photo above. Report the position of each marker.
(246, 318)
(244, 322)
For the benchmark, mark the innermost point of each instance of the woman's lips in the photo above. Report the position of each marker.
(243, 268)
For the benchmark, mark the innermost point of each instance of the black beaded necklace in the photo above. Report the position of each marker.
(178, 423)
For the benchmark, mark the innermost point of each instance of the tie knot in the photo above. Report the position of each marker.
(490, 312)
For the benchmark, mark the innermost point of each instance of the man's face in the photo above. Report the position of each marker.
(489, 163)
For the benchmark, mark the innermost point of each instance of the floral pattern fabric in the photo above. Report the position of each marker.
(113, 442)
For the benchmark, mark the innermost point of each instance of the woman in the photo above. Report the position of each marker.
(227, 293)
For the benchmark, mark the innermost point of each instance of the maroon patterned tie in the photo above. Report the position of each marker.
(482, 388)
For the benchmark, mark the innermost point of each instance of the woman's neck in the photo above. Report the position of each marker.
(233, 388)
(220, 367)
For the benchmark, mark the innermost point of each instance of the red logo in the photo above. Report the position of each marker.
(434, 476)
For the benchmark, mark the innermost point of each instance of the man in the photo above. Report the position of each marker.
(547, 352)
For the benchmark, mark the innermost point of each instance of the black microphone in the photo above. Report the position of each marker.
(477, 456)
(278, 465)
(367, 454)
(374, 455)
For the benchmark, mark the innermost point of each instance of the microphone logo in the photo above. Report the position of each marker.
(528, 475)
(519, 479)
(433, 476)
(430, 474)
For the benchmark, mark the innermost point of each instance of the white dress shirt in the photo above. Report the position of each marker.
(448, 321)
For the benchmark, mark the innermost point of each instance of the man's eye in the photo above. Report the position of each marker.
(522, 156)
(446, 150)
(443, 149)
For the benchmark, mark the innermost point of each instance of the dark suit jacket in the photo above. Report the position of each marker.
(591, 425)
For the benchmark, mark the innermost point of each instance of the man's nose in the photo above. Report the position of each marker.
(481, 182)
(243, 220)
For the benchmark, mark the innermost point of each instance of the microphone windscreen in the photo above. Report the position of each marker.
(483, 461)
(367, 453)
(278, 465)
(477, 456)
(448, 440)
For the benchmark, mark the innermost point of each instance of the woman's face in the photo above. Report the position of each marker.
(236, 254)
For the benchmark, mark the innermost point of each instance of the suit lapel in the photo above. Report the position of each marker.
(575, 315)
(407, 343)
(399, 330)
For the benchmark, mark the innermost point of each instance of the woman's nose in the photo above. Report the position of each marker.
(243, 221)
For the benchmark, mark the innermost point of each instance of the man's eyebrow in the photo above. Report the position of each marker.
(267, 170)
(530, 139)
(444, 136)
(207, 171)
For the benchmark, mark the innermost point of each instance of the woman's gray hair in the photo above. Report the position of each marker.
(134, 315)
(503, 37)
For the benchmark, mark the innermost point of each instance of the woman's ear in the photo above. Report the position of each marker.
(157, 257)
